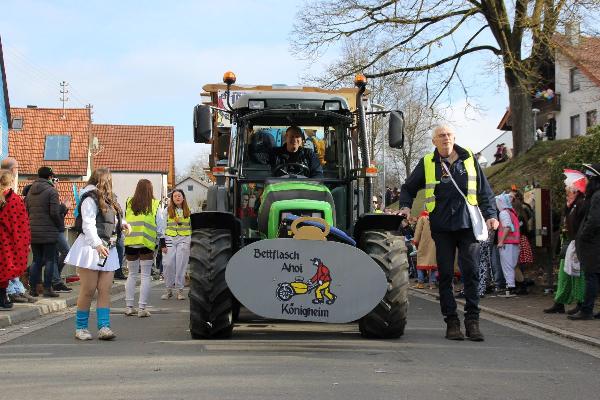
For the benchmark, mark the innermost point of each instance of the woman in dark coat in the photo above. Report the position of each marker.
(587, 244)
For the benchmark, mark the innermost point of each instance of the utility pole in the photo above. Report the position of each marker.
(63, 95)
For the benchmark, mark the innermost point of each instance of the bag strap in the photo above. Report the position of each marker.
(453, 181)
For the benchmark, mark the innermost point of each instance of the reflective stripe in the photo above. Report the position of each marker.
(141, 234)
(144, 224)
(430, 185)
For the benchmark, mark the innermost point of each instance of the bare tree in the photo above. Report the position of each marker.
(391, 92)
(434, 37)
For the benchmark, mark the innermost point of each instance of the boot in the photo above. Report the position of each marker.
(453, 329)
(5, 303)
(581, 316)
(575, 309)
(556, 308)
(472, 330)
(49, 292)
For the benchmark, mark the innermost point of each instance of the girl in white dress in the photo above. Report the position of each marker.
(94, 255)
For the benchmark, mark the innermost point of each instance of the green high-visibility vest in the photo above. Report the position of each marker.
(181, 228)
(431, 181)
(143, 227)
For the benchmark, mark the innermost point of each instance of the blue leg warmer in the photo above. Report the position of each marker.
(81, 319)
(103, 316)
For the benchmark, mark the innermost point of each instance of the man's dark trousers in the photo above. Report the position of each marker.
(43, 255)
(446, 244)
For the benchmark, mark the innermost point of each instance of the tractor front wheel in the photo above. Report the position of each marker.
(388, 319)
(211, 302)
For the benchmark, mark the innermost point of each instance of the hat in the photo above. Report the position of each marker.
(45, 172)
(591, 169)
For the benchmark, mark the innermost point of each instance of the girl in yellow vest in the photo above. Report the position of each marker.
(147, 227)
(178, 239)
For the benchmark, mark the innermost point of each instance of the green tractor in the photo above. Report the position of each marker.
(244, 245)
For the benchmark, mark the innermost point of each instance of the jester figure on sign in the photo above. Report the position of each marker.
(323, 278)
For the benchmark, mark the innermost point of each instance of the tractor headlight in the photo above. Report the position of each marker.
(332, 105)
(256, 104)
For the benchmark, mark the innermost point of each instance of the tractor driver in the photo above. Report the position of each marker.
(294, 158)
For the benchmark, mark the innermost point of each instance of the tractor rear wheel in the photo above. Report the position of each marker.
(211, 302)
(388, 319)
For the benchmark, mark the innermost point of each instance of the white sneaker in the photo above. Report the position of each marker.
(180, 295)
(168, 294)
(129, 311)
(105, 333)
(83, 334)
(143, 313)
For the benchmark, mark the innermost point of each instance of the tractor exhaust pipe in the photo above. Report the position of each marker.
(361, 82)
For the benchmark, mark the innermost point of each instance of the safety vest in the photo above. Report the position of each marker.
(511, 237)
(143, 227)
(431, 182)
(181, 228)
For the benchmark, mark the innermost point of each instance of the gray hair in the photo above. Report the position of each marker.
(442, 127)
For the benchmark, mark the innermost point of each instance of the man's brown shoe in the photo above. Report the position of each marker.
(48, 292)
(472, 330)
(453, 329)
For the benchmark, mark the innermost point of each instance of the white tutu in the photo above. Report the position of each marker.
(83, 255)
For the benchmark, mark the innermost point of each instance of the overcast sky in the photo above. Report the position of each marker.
(146, 62)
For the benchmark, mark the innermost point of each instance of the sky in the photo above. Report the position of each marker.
(145, 63)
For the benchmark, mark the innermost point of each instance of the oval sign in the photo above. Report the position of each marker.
(306, 280)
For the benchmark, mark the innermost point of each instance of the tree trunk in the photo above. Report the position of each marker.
(522, 118)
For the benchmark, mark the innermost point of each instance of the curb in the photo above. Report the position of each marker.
(27, 312)
(515, 318)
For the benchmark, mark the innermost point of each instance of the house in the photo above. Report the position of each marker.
(568, 104)
(134, 152)
(577, 74)
(51, 137)
(195, 192)
(4, 108)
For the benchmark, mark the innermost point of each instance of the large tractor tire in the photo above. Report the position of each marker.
(211, 302)
(388, 319)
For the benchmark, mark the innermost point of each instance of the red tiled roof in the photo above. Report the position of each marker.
(135, 148)
(27, 144)
(585, 55)
(65, 192)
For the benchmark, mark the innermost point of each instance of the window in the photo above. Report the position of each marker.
(190, 188)
(590, 118)
(17, 123)
(58, 147)
(574, 79)
(575, 131)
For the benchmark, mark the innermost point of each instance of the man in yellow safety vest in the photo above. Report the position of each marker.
(439, 173)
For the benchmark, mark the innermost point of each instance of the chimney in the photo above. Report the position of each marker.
(573, 31)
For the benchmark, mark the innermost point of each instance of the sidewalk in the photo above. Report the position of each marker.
(28, 311)
(528, 310)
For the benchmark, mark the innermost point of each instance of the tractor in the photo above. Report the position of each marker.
(246, 243)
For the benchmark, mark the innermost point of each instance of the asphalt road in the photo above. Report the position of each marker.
(154, 358)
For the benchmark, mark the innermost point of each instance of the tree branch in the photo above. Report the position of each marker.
(437, 63)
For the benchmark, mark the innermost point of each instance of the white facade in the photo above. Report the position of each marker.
(124, 184)
(195, 192)
(574, 102)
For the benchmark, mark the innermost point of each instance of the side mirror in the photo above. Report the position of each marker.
(396, 129)
(203, 123)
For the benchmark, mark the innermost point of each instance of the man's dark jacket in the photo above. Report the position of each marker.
(305, 156)
(450, 213)
(45, 216)
(587, 242)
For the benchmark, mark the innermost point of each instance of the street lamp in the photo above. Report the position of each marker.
(535, 112)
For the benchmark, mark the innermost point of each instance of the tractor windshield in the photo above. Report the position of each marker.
(326, 141)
